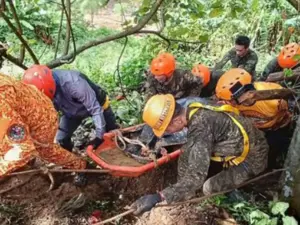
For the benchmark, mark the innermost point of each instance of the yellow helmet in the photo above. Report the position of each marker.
(158, 113)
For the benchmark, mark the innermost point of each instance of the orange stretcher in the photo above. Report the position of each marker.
(109, 157)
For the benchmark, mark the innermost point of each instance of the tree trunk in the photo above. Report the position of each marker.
(68, 29)
(291, 177)
(295, 4)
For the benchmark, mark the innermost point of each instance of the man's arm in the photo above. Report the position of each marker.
(223, 62)
(194, 161)
(150, 86)
(193, 83)
(271, 67)
(250, 64)
(82, 92)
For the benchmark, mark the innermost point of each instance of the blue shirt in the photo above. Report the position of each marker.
(76, 99)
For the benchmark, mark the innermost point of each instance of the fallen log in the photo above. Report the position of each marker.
(250, 97)
(280, 76)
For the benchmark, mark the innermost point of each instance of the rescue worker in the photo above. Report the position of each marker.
(215, 133)
(28, 124)
(285, 60)
(166, 79)
(209, 79)
(240, 57)
(77, 98)
(269, 114)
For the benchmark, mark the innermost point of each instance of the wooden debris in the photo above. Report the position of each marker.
(250, 97)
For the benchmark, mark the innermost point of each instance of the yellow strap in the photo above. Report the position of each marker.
(228, 160)
(223, 108)
(106, 103)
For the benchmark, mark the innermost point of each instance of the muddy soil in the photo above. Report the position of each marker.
(109, 194)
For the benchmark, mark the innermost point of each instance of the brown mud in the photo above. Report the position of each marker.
(118, 157)
(104, 192)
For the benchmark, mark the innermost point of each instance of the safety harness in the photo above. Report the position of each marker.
(226, 160)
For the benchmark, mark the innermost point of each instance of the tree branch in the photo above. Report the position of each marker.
(23, 41)
(19, 27)
(295, 4)
(59, 33)
(15, 61)
(3, 5)
(68, 16)
(15, 16)
(133, 30)
(67, 9)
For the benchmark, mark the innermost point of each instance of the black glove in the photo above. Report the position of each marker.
(96, 142)
(145, 203)
(80, 180)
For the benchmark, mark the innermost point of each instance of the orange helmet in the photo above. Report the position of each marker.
(163, 64)
(202, 71)
(229, 79)
(41, 77)
(286, 56)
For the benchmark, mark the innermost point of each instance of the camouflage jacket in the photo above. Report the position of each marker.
(182, 84)
(209, 90)
(271, 67)
(247, 62)
(213, 133)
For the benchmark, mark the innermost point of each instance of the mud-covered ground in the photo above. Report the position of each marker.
(31, 204)
(105, 193)
(66, 204)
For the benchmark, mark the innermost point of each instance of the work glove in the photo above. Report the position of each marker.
(145, 203)
(80, 180)
(96, 142)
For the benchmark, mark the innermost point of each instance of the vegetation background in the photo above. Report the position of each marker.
(114, 41)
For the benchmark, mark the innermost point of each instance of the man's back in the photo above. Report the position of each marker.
(182, 84)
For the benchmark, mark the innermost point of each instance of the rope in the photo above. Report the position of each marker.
(151, 155)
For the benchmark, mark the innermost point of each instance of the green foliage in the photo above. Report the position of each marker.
(129, 111)
(254, 213)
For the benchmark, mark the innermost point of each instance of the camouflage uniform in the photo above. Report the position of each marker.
(247, 62)
(214, 133)
(182, 84)
(271, 67)
(209, 90)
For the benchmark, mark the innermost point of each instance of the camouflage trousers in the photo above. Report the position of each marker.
(227, 179)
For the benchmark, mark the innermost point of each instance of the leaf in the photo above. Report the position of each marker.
(289, 220)
(279, 208)
(239, 205)
(215, 12)
(297, 57)
(273, 221)
(204, 38)
(254, 5)
(26, 24)
(258, 215)
(288, 72)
